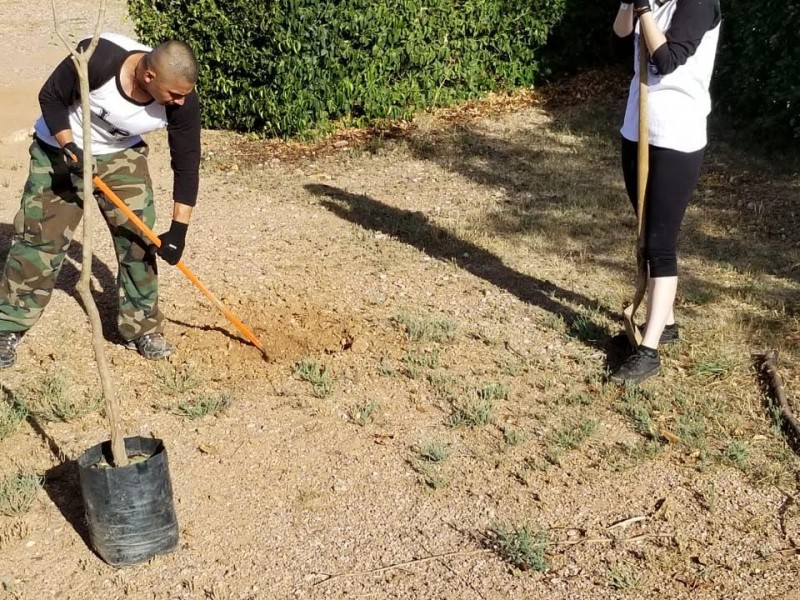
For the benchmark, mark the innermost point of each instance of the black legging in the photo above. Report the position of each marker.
(671, 180)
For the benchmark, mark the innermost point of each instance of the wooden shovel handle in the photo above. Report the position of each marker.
(642, 172)
(643, 155)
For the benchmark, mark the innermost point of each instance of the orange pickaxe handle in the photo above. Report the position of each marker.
(100, 184)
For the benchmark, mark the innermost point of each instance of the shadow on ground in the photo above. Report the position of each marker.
(61, 482)
(63, 486)
(561, 184)
(417, 230)
(106, 299)
(564, 179)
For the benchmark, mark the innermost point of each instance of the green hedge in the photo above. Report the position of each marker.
(286, 66)
(584, 39)
(758, 74)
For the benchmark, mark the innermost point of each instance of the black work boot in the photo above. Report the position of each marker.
(9, 340)
(638, 366)
(153, 346)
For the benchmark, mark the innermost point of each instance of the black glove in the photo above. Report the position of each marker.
(73, 156)
(641, 6)
(173, 242)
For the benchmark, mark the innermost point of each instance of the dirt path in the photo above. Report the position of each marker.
(477, 266)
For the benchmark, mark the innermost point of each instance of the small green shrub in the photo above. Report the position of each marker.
(429, 456)
(362, 414)
(419, 329)
(472, 412)
(433, 451)
(53, 400)
(514, 437)
(175, 380)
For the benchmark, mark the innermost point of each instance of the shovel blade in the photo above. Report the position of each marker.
(631, 329)
(629, 312)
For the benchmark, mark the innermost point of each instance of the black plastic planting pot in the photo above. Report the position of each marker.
(129, 509)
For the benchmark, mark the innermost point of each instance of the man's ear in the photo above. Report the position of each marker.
(149, 76)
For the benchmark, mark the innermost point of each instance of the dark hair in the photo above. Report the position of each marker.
(174, 58)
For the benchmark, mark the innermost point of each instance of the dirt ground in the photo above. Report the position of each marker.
(476, 260)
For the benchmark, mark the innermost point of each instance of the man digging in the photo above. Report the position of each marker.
(133, 90)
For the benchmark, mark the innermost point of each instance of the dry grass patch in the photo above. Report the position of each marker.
(202, 405)
(12, 413)
(53, 399)
(317, 375)
(18, 492)
(523, 547)
(176, 379)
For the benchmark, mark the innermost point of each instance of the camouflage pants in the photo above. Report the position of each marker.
(49, 214)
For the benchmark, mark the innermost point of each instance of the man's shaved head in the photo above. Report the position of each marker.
(174, 60)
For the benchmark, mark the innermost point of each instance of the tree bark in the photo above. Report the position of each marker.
(113, 411)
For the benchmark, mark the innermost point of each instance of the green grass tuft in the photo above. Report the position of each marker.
(174, 380)
(203, 405)
(522, 547)
(317, 375)
(52, 400)
(432, 330)
(12, 413)
(362, 414)
(18, 492)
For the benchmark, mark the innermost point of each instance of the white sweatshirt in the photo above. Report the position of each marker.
(679, 76)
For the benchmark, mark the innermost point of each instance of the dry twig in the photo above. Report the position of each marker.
(769, 369)
(625, 522)
(400, 565)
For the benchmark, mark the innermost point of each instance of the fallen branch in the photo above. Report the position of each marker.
(465, 581)
(598, 540)
(625, 522)
(400, 565)
(769, 370)
(643, 537)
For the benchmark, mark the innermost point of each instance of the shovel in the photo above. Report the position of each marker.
(100, 185)
(643, 162)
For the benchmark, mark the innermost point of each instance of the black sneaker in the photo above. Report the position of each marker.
(153, 346)
(670, 335)
(9, 340)
(640, 365)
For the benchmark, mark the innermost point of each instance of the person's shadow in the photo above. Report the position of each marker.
(61, 482)
(63, 486)
(416, 229)
(106, 299)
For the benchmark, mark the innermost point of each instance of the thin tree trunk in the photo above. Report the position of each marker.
(113, 412)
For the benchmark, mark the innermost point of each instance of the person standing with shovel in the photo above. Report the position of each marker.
(680, 39)
(133, 90)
